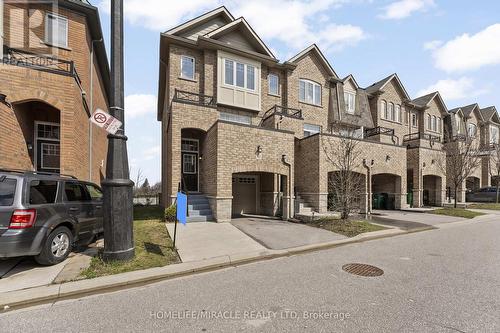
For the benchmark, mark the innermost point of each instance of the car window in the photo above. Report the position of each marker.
(95, 192)
(7, 191)
(42, 192)
(76, 192)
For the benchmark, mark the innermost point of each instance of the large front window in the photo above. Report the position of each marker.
(309, 92)
(236, 118)
(350, 101)
(494, 135)
(239, 74)
(56, 30)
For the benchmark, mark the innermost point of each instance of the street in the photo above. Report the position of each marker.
(443, 280)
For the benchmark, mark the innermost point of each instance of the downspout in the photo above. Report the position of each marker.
(368, 205)
(284, 159)
(91, 96)
(1, 29)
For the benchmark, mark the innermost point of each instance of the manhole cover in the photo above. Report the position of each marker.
(362, 269)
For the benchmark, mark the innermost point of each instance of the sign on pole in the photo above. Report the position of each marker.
(181, 207)
(106, 121)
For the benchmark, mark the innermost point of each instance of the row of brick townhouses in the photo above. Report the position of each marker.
(54, 72)
(246, 133)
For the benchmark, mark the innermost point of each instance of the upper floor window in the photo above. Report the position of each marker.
(429, 122)
(439, 128)
(397, 113)
(493, 134)
(383, 109)
(414, 121)
(187, 67)
(239, 74)
(390, 108)
(310, 129)
(406, 116)
(350, 101)
(56, 30)
(472, 130)
(434, 124)
(236, 118)
(458, 122)
(273, 82)
(309, 92)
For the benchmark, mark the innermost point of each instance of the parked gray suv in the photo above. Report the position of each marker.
(44, 215)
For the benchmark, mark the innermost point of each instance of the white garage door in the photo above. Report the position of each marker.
(244, 194)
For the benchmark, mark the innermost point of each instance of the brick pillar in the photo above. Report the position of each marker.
(485, 172)
(209, 72)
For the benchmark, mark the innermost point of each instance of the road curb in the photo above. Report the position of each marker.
(76, 289)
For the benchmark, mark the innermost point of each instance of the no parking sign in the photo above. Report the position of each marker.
(106, 121)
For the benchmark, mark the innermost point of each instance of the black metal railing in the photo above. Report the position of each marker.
(194, 98)
(458, 137)
(40, 62)
(379, 130)
(282, 111)
(421, 136)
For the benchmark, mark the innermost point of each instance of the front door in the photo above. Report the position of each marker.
(189, 159)
(47, 147)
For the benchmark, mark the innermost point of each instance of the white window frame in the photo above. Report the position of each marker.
(194, 156)
(50, 40)
(277, 93)
(314, 85)
(245, 75)
(434, 123)
(390, 110)
(41, 156)
(349, 97)
(397, 113)
(383, 109)
(439, 128)
(311, 129)
(497, 132)
(235, 118)
(469, 127)
(194, 67)
(414, 119)
(191, 140)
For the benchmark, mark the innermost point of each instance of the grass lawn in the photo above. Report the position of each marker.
(153, 246)
(492, 206)
(456, 212)
(349, 228)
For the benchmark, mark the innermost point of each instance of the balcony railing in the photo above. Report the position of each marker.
(194, 98)
(283, 111)
(378, 131)
(458, 137)
(421, 136)
(39, 62)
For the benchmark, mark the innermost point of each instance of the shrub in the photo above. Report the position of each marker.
(171, 213)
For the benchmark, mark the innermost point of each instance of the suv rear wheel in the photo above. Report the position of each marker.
(56, 248)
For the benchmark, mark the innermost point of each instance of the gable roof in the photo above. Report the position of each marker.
(220, 11)
(241, 23)
(351, 77)
(424, 101)
(380, 85)
(489, 113)
(314, 48)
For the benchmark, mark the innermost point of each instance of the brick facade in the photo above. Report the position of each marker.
(38, 95)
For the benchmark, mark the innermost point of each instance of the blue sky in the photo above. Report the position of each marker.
(452, 46)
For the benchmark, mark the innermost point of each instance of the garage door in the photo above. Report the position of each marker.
(244, 194)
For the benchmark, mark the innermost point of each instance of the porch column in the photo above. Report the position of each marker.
(400, 197)
(418, 187)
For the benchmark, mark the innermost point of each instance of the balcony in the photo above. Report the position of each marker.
(21, 58)
(379, 130)
(421, 136)
(283, 111)
(187, 97)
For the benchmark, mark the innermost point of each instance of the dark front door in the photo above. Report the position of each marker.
(190, 171)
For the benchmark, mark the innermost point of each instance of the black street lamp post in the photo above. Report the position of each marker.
(117, 187)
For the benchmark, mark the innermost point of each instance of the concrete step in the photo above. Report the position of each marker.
(198, 206)
(194, 201)
(201, 212)
(199, 218)
(305, 210)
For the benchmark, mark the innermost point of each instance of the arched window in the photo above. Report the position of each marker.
(439, 129)
(383, 110)
(472, 130)
(391, 111)
(398, 113)
(434, 124)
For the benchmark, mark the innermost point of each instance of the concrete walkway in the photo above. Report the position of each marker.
(410, 220)
(203, 240)
(277, 234)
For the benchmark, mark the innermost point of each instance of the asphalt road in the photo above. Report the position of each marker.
(445, 280)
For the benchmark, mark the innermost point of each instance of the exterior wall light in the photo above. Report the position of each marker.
(387, 158)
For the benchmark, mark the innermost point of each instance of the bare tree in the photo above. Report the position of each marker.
(463, 157)
(495, 168)
(138, 181)
(345, 183)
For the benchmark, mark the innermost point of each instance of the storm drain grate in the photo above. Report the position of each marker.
(362, 269)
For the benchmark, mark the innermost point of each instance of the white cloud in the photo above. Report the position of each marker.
(404, 8)
(451, 89)
(470, 52)
(292, 22)
(138, 105)
(432, 45)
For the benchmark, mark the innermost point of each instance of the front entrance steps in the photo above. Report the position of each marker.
(303, 207)
(199, 209)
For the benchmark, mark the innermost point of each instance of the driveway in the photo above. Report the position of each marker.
(409, 220)
(277, 234)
